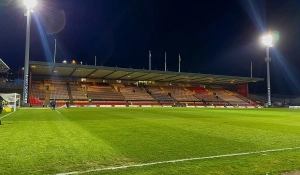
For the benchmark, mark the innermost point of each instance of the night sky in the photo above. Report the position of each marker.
(213, 37)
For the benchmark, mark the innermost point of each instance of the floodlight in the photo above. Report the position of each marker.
(267, 40)
(30, 3)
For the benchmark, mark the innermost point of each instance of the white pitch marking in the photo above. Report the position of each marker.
(34, 108)
(57, 111)
(178, 160)
(6, 115)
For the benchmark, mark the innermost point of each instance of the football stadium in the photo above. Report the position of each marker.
(69, 118)
(131, 121)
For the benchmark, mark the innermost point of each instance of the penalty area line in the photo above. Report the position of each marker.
(6, 115)
(57, 111)
(178, 160)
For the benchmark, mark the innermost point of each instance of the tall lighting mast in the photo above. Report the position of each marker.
(268, 42)
(29, 4)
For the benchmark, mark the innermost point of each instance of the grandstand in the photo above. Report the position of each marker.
(110, 87)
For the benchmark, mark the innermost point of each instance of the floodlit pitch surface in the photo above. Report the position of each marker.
(147, 140)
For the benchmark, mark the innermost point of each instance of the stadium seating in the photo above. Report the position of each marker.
(180, 94)
(230, 97)
(198, 90)
(118, 94)
(59, 91)
(104, 93)
(37, 93)
(135, 93)
(77, 93)
(161, 96)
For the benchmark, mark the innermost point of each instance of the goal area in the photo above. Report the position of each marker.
(13, 100)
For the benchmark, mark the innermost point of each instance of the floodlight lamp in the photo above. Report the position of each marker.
(30, 3)
(267, 40)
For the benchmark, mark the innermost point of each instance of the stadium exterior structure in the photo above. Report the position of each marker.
(77, 73)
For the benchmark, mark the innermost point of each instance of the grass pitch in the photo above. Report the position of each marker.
(88, 140)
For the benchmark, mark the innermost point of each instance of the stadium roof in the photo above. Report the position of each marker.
(3, 67)
(129, 74)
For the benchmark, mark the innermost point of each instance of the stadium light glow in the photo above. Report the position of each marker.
(267, 40)
(30, 4)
